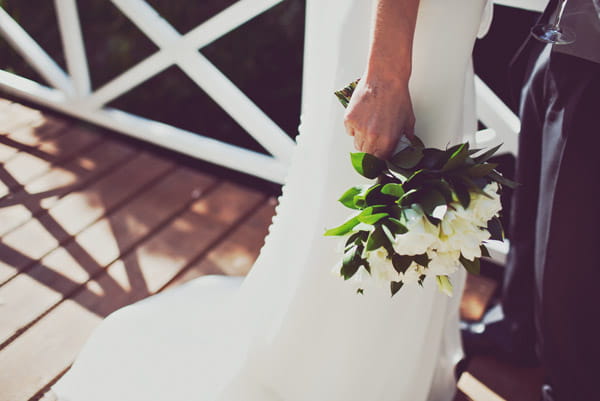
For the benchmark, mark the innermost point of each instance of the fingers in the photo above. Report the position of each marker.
(409, 126)
(381, 146)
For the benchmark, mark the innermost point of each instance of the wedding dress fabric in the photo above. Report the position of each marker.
(291, 330)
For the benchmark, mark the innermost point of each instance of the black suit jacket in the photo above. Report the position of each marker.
(520, 62)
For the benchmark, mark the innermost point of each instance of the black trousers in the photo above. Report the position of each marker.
(552, 283)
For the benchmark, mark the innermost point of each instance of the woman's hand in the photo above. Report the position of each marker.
(379, 113)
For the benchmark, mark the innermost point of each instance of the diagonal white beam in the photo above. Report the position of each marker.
(33, 53)
(73, 47)
(492, 111)
(224, 22)
(531, 5)
(204, 34)
(164, 135)
(210, 79)
(128, 80)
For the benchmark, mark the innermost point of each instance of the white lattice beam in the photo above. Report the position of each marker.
(530, 5)
(158, 133)
(204, 34)
(496, 115)
(226, 21)
(247, 114)
(73, 46)
(33, 53)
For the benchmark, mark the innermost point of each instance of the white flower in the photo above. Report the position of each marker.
(421, 233)
(482, 208)
(413, 273)
(443, 263)
(382, 269)
(460, 232)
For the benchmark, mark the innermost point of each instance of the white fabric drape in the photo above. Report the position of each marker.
(291, 331)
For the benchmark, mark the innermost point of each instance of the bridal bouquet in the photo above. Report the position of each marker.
(428, 213)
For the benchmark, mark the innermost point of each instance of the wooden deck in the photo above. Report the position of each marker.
(90, 223)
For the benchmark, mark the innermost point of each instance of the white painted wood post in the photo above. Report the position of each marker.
(33, 53)
(73, 46)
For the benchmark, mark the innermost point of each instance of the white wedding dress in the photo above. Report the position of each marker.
(291, 331)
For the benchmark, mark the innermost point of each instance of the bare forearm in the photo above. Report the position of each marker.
(390, 54)
(380, 111)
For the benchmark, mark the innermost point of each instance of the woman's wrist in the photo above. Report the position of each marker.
(386, 78)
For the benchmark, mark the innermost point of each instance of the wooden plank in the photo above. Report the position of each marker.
(476, 297)
(28, 137)
(506, 381)
(15, 115)
(43, 192)
(25, 166)
(6, 152)
(236, 254)
(44, 351)
(476, 390)
(28, 296)
(24, 246)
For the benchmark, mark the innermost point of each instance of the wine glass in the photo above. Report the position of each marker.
(554, 33)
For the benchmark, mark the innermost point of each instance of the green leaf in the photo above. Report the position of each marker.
(401, 263)
(415, 181)
(444, 188)
(421, 259)
(403, 173)
(473, 151)
(462, 193)
(390, 239)
(445, 285)
(367, 165)
(372, 214)
(495, 228)
(422, 279)
(395, 286)
(473, 186)
(377, 239)
(481, 170)
(344, 228)
(409, 197)
(393, 189)
(395, 225)
(360, 291)
(373, 218)
(374, 196)
(472, 267)
(348, 199)
(433, 159)
(484, 251)
(351, 262)
(416, 141)
(408, 157)
(487, 155)
(357, 238)
(344, 95)
(457, 158)
(500, 179)
(429, 199)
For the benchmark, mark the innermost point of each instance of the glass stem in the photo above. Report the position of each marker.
(559, 15)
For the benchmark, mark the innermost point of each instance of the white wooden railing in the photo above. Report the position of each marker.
(70, 92)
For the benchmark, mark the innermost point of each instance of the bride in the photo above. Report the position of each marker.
(291, 331)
